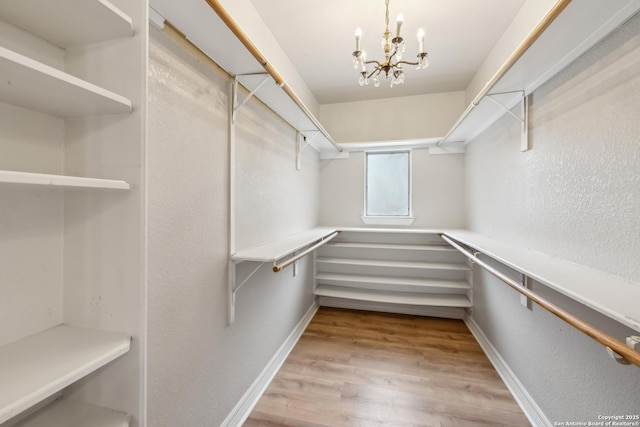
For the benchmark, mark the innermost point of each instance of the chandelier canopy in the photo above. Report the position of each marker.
(393, 50)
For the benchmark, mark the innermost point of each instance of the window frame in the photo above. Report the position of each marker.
(388, 219)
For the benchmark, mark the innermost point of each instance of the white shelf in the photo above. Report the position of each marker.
(27, 178)
(273, 251)
(394, 264)
(36, 367)
(204, 28)
(403, 284)
(35, 86)
(71, 413)
(403, 298)
(391, 246)
(578, 28)
(391, 230)
(68, 23)
(609, 295)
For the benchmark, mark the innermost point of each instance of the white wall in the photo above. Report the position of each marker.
(198, 366)
(410, 117)
(438, 190)
(574, 196)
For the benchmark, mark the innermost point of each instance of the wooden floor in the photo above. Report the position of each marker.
(353, 368)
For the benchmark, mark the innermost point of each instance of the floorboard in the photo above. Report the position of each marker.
(356, 368)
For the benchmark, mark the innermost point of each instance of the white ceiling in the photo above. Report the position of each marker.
(318, 36)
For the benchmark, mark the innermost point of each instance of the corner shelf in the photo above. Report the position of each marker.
(36, 367)
(617, 300)
(72, 413)
(68, 23)
(35, 86)
(63, 181)
(579, 27)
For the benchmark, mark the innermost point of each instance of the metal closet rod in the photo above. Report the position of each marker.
(278, 267)
(602, 337)
(235, 29)
(511, 61)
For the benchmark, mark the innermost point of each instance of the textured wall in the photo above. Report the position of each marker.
(575, 195)
(437, 184)
(199, 367)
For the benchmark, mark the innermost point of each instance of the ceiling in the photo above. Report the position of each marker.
(318, 37)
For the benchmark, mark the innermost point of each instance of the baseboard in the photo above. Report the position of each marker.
(243, 408)
(531, 410)
(417, 310)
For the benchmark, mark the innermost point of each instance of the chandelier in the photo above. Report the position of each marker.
(393, 50)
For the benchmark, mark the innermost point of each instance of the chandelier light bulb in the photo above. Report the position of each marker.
(420, 40)
(399, 25)
(358, 37)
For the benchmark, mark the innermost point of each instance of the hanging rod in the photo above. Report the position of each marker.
(235, 29)
(602, 337)
(278, 267)
(511, 61)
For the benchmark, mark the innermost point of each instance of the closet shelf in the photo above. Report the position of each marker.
(406, 284)
(72, 413)
(398, 247)
(207, 30)
(579, 27)
(36, 367)
(612, 296)
(68, 23)
(35, 86)
(273, 251)
(390, 297)
(393, 264)
(27, 178)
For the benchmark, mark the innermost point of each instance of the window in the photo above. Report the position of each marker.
(388, 186)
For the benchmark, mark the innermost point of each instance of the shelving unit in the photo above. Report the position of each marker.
(73, 284)
(26, 178)
(399, 270)
(71, 413)
(609, 295)
(36, 367)
(556, 47)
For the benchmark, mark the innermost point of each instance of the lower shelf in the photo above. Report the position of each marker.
(71, 413)
(399, 284)
(40, 365)
(390, 297)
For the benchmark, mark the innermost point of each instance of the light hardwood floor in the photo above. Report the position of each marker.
(354, 368)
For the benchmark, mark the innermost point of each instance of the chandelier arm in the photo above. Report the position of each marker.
(374, 62)
(375, 71)
(406, 62)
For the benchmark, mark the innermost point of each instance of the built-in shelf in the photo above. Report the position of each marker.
(68, 23)
(72, 413)
(35, 86)
(400, 284)
(393, 264)
(393, 297)
(398, 247)
(273, 251)
(607, 294)
(580, 26)
(35, 367)
(27, 178)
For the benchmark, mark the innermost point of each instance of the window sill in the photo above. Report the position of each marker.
(388, 220)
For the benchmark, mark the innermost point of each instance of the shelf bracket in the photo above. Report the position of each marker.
(526, 283)
(523, 118)
(233, 289)
(236, 105)
(302, 142)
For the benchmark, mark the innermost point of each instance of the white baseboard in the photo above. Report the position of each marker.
(531, 410)
(243, 408)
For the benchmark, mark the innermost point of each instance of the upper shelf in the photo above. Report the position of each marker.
(27, 178)
(68, 23)
(71, 413)
(576, 29)
(207, 30)
(273, 251)
(36, 367)
(609, 295)
(35, 86)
